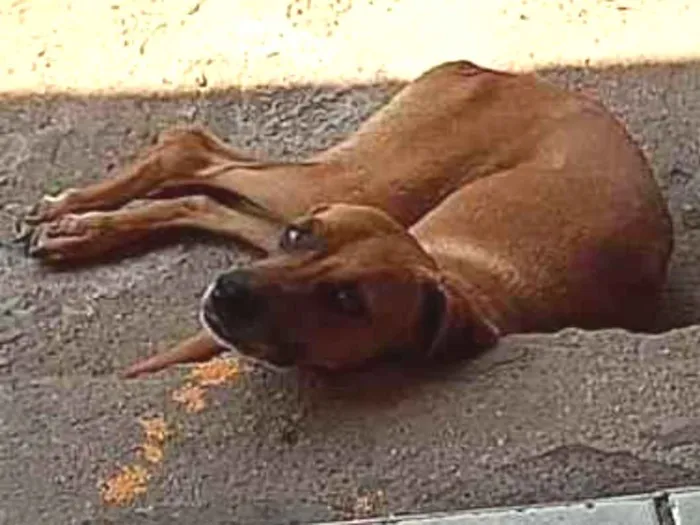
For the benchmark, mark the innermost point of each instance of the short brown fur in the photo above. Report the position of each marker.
(475, 204)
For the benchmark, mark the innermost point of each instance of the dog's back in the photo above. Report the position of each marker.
(572, 230)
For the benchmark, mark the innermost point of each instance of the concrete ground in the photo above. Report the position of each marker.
(541, 418)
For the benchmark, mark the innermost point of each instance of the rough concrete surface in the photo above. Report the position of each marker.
(541, 418)
(170, 45)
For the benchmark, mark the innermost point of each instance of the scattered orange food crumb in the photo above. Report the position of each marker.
(215, 372)
(155, 428)
(152, 452)
(123, 488)
(132, 480)
(191, 396)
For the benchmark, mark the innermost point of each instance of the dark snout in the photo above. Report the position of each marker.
(232, 306)
(240, 315)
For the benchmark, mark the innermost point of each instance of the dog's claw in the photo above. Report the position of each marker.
(53, 240)
(38, 252)
(33, 245)
(48, 208)
(22, 233)
(33, 217)
(38, 213)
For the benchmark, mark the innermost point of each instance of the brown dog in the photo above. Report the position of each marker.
(475, 204)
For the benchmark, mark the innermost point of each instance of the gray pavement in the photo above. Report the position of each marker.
(541, 419)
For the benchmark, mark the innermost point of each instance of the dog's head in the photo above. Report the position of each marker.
(350, 284)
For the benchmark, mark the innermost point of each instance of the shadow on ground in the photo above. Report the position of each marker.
(589, 425)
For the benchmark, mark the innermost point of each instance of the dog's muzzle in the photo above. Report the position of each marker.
(230, 307)
(236, 315)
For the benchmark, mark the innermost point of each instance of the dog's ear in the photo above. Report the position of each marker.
(450, 323)
(318, 208)
(434, 317)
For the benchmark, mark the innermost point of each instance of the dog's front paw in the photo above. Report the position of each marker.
(59, 239)
(49, 208)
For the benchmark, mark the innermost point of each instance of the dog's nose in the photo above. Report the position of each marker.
(233, 297)
(232, 286)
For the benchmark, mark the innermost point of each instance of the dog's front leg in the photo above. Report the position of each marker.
(91, 235)
(180, 154)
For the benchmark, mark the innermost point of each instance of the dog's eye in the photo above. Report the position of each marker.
(299, 237)
(292, 235)
(346, 299)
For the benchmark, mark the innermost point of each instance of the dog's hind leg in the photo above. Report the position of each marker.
(200, 347)
(94, 234)
(180, 154)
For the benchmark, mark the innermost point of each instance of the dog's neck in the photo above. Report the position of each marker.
(480, 278)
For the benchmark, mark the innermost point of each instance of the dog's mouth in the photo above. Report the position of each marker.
(216, 327)
(241, 341)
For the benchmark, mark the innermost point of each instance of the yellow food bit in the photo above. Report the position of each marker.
(123, 488)
(191, 396)
(155, 428)
(215, 372)
(152, 452)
